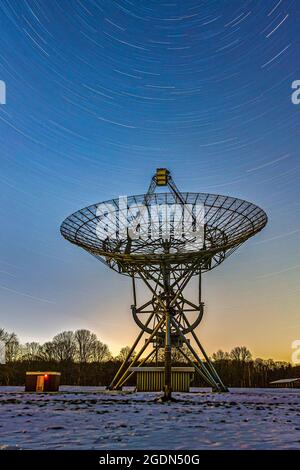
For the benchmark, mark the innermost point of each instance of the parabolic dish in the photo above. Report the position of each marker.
(152, 230)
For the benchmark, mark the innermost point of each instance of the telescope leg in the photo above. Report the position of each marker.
(167, 387)
(205, 372)
(125, 362)
(214, 373)
(139, 365)
(168, 361)
(221, 386)
(123, 379)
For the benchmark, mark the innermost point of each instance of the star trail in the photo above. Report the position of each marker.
(98, 94)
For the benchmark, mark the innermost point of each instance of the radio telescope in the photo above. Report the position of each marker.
(163, 239)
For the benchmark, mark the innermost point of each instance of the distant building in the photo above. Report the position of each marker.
(42, 381)
(286, 383)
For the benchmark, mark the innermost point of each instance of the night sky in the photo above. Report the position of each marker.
(100, 93)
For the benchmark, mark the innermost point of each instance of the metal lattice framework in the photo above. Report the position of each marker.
(165, 239)
(228, 223)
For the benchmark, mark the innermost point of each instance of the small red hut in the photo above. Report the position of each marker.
(42, 381)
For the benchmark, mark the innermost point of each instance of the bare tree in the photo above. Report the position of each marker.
(240, 354)
(30, 351)
(100, 352)
(220, 356)
(65, 346)
(123, 354)
(85, 344)
(47, 352)
(12, 348)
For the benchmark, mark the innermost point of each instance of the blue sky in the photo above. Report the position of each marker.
(100, 93)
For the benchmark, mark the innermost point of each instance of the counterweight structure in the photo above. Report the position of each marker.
(163, 239)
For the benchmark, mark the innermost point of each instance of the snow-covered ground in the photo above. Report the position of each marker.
(90, 418)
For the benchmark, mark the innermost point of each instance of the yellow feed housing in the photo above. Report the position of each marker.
(161, 176)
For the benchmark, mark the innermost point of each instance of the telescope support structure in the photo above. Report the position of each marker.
(165, 317)
(163, 239)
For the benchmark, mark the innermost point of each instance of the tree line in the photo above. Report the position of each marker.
(83, 359)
